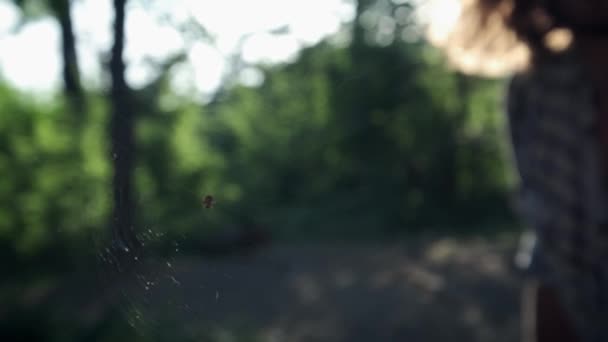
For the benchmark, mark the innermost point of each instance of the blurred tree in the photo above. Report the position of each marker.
(46, 150)
(61, 10)
(71, 71)
(122, 128)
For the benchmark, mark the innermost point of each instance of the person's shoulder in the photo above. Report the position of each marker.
(517, 88)
(546, 74)
(520, 91)
(517, 82)
(556, 70)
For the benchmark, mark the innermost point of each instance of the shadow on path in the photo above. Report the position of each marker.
(441, 290)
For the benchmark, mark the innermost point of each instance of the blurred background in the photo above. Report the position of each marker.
(359, 189)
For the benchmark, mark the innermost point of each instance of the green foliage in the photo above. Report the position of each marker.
(369, 139)
(372, 138)
(342, 141)
(54, 184)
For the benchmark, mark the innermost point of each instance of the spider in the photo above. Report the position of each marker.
(208, 201)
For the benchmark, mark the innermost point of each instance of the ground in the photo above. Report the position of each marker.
(422, 290)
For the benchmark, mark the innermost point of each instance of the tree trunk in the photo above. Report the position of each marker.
(123, 143)
(71, 71)
(358, 31)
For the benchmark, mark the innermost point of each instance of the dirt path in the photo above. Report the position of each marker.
(440, 290)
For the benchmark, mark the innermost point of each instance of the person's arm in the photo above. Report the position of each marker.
(543, 317)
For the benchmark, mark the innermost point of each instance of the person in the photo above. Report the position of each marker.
(557, 107)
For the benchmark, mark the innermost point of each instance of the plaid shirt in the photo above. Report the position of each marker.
(554, 125)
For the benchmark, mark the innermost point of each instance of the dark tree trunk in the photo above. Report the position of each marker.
(71, 71)
(123, 143)
(358, 32)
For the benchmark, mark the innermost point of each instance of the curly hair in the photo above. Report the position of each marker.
(498, 37)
